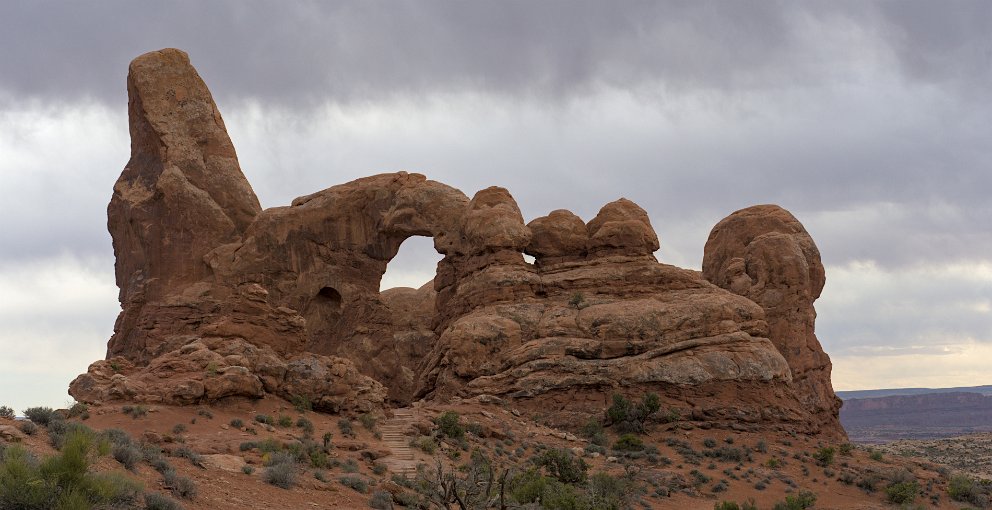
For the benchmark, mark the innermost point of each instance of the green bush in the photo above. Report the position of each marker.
(237, 423)
(135, 411)
(730, 505)
(281, 474)
(306, 425)
(449, 424)
(964, 488)
(41, 415)
(129, 456)
(593, 431)
(186, 452)
(29, 428)
(903, 492)
(355, 482)
(846, 448)
(6, 412)
(63, 480)
(285, 421)
(801, 501)
(563, 465)
(346, 427)
(367, 420)
(79, 409)
(824, 456)
(626, 416)
(628, 443)
(180, 486)
(381, 500)
(302, 403)
(264, 418)
(156, 501)
(607, 492)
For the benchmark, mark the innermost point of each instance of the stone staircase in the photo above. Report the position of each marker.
(401, 460)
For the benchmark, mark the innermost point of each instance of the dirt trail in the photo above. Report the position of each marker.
(401, 461)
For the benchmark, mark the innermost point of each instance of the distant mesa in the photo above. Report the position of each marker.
(224, 299)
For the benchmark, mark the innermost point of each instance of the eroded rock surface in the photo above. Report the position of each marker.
(223, 299)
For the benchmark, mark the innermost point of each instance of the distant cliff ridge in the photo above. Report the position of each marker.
(925, 416)
(848, 395)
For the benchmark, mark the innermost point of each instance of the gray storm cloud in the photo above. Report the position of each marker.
(303, 52)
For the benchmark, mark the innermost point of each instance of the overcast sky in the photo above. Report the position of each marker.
(869, 121)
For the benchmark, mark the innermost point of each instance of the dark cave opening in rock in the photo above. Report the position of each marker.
(329, 298)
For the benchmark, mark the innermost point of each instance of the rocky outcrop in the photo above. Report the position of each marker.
(764, 254)
(221, 299)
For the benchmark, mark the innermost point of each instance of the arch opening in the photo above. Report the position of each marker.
(414, 264)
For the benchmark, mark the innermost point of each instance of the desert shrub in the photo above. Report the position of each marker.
(264, 418)
(381, 500)
(726, 454)
(302, 403)
(346, 427)
(626, 416)
(327, 440)
(282, 474)
(180, 486)
(378, 468)
(350, 466)
(41, 415)
(367, 420)
(628, 443)
(278, 458)
(824, 456)
(355, 482)
(156, 501)
(135, 412)
(709, 442)
(731, 505)
(607, 491)
(902, 492)
(563, 465)
(875, 455)
(845, 449)
(6, 412)
(527, 487)
(179, 428)
(186, 452)
(801, 501)
(61, 481)
(306, 425)
(285, 421)
(593, 431)
(129, 456)
(246, 469)
(965, 488)
(247, 445)
(449, 423)
(425, 443)
(269, 445)
(59, 430)
(237, 423)
(205, 413)
(78, 409)
(29, 428)
(762, 446)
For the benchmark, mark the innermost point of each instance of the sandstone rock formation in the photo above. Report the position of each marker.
(223, 299)
(764, 254)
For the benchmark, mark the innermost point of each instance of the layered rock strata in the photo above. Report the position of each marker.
(221, 298)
